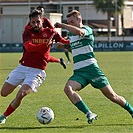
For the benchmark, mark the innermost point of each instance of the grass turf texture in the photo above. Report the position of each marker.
(112, 119)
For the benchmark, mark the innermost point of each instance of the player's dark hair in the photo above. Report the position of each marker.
(35, 13)
(40, 7)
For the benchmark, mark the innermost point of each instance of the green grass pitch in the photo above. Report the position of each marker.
(111, 118)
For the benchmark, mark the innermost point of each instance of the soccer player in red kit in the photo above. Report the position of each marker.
(47, 24)
(30, 72)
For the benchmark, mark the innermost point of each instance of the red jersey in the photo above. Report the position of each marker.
(46, 24)
(36, 51)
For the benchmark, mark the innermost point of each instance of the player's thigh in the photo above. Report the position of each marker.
(7, 89)
(74, 85)
(17, 75)
(24, 90)
(108, 91)
(34, 78)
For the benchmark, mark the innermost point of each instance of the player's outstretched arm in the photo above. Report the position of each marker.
(34, 48)
(73, 29)
(50, 40)
(59, 45)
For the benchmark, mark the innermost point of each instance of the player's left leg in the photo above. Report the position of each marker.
(110, 94)
(68, 58)
(24, 90)
(53, 59)
(67, 49)
(61, 61)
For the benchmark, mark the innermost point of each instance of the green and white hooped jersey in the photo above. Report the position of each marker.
(82, 48)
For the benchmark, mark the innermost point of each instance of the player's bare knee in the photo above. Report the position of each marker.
(67, 90)
(21, 94)
(3, 94)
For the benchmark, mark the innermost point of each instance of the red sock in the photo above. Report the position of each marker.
(53, 59)
(9, 110)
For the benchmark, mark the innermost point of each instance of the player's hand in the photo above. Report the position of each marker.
(50, 40)
(57, 25)
(59, 45)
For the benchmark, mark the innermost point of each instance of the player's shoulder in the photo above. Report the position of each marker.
(46, 19)
(27, 30)
(88, 30)
(46, 29)
(28, 26)
(49, 30)
(86, 27)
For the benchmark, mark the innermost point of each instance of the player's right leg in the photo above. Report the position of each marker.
(5, 91)
(70, 90)
(13, 80)
(91, 117)
(24, 90)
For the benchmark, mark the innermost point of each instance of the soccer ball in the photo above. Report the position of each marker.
(45, 115)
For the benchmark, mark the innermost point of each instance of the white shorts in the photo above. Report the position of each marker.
(26, 75)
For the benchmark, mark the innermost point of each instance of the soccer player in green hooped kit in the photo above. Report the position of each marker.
(86, 69)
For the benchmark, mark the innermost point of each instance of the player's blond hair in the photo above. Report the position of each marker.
(74, 13)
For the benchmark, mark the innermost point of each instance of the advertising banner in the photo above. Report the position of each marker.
(98, 46)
